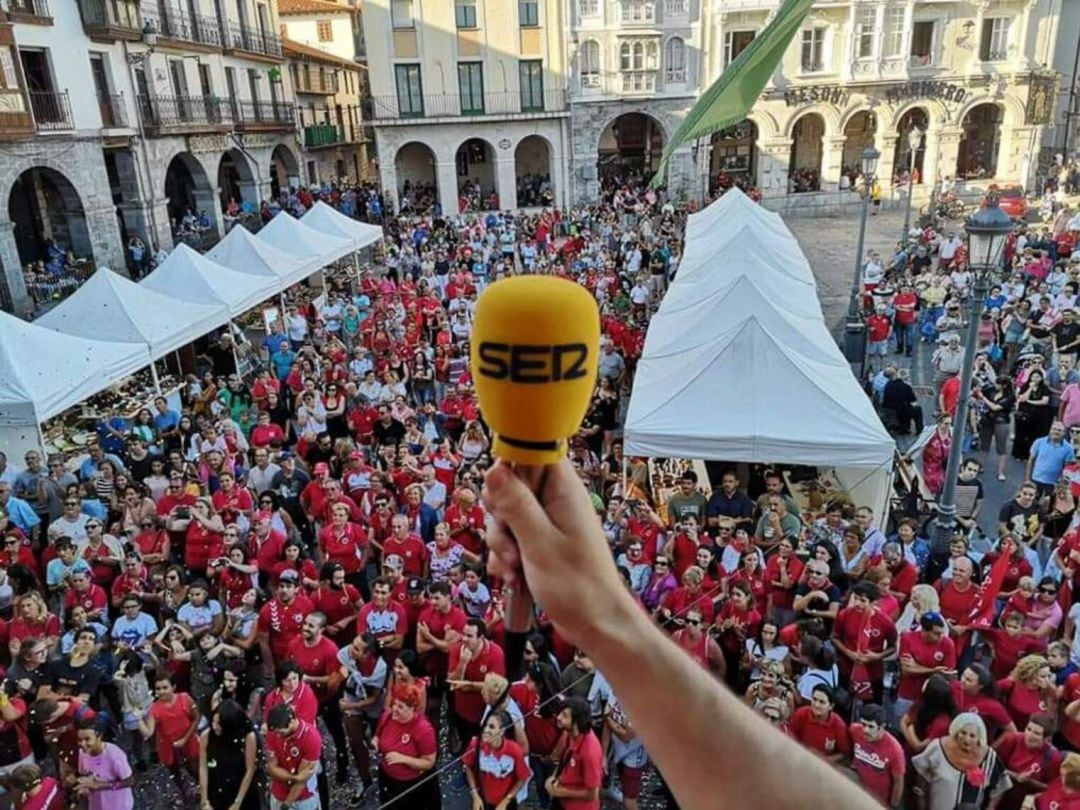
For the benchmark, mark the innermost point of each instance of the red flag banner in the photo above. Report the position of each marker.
(981, 615)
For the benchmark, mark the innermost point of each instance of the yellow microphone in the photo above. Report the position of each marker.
(534, 353)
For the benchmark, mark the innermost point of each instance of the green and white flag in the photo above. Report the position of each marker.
(733, 95)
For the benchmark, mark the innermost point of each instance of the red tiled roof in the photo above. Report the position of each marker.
(312, 7)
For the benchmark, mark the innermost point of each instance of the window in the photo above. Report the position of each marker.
(675, 7)
(893, 44)
(637, 63)
(813, 50)
(470, 77)
(638, 11)
(409, 94)
(994, 46)
(324, 30)
(922, 44)
(401, 14)
(675, 61)
(866, 33)
(531, 75)
(734, 44)
(528, 13)
(465, 13)
(588, 8)
(589, 64)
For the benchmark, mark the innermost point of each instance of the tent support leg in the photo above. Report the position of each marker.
(154, 376)
(624, 468)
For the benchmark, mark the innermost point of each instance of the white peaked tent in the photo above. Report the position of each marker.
(43, 372)
(242, 251)
(329, 220)
(685, 329)
(110, 307)
(733, 204)
(188, 276)
(292, 236)
(739, 366)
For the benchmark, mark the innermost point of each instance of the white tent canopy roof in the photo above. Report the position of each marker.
(746, 240)
(189, 276)
(243, 252)
(748, 396)
(317, 248)
(731, 206)
(326, 219)
(786, 290)
(42, 372)
(110, 307)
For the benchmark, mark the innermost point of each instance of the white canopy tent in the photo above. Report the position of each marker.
(326, 219)
(734, 205)
(110, 307)
(739, 366)
(189, 276)
(43, 372)
(292, 236)
(243, 252)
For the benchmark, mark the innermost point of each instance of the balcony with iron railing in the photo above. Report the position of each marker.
(319, 135)
(502, 105)
(111, 19)
(52, 110)
(113, 111)
(179, 114)
(171, 23)
(253, 40)
(35, 12)
(265, 115)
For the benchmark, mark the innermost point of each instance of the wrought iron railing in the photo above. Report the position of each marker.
(52, 110)
(98, 15)
(439, 105)
(113, 111)
(172, 23)
(253, 40)
(178, 111)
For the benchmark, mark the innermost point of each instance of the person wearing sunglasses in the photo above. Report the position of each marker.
(699, 645)
(71, 523)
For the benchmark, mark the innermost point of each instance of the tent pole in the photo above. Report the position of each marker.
(624, 467)
(154, 376)
(232, 340)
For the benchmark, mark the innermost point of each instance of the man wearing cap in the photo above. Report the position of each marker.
(948, 358)
(281, 619)
(289, 483)
(414, 603)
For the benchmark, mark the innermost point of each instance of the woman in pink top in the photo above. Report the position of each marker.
(1069, 409)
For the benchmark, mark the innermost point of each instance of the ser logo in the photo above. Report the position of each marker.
(525, 363)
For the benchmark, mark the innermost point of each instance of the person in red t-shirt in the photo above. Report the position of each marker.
(383, 617)
(957, 598)
(406, 545)
(438, 628)
(864, 636)
(904, 305)
(577, 782)
(36, 792)
(467, 520)
(231, 501)
(407, 742)
(876, 757)
(281, 618)
(339, 601)
(90, 597)
(974, 692)
(1064, 792)
(344, 543)
(293, 748)
(922, 653)
(1009, 644)
(471, 659)
(782, 574)
(1029, 758)
(171, 721)
(821, 729)
(1028, 690)
(495, 766)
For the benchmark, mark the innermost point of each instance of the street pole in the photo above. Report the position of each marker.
(946, 509)
(855, 328)
(907, 208)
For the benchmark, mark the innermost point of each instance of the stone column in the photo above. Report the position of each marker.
(506, 181)
(389, 181)
(104, 235)
(886, 144)
(832, 161)
(947, 152)
(1015, 155)
(586, 180)
(446, 172)
(21, 303)
(149, 221)
(774, 162)
(682, 178)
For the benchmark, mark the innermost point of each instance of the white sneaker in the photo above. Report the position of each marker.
(613, 793)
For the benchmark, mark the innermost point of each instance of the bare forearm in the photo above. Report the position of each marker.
(638, 660)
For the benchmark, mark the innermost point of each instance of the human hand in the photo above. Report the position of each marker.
(556, 540)
(477, 802)
(394, 758)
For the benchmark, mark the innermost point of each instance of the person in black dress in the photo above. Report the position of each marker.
(227, 760)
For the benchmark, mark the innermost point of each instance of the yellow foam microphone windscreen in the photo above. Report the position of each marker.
(535, 349)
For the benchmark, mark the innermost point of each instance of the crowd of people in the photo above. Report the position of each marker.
(277, 592)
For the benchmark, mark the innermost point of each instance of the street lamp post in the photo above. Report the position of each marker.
(854, 327)
(915, 137)
(986, 231)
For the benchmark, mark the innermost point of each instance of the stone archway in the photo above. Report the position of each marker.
(807, 151)
(188, 190)
(417, 178)
(631, 145)
(532, 172)
(980, 142)
(284, 169)
(733, 160)
(858, 135)
(476, 180)
(236, 180)
(46, 209)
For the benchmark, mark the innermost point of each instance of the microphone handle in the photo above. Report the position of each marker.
(518, 612)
